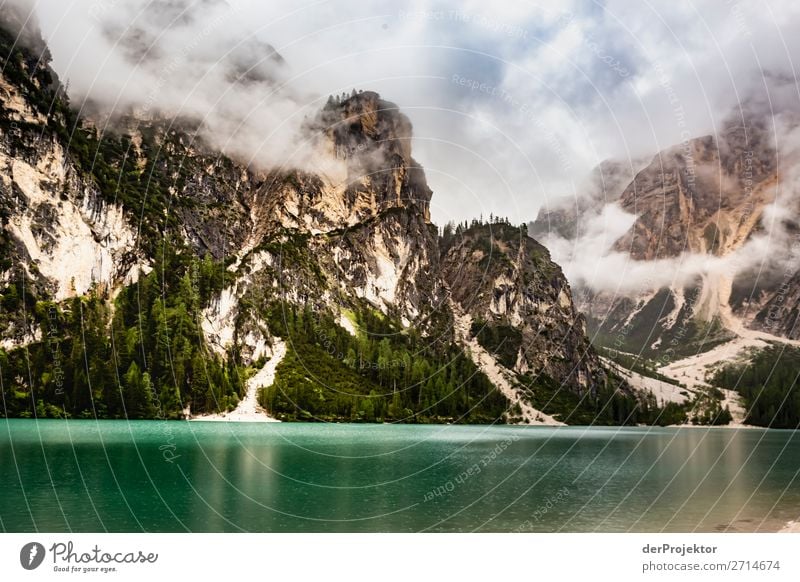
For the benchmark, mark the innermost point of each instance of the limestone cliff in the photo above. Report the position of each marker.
(708, 197)
(166, 270)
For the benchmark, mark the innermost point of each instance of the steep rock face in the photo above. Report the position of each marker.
(392, 263)
(230, 258)
(367, 237)
(61, 227)
(374, 140)
(211, 207)
(781, 313)
(516, 295)
(707, 196)
(704, 196)
(364, 168)
(58, 229)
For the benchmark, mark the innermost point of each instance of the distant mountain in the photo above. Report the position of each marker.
(567, 218)
(718, 217)
(709, 197)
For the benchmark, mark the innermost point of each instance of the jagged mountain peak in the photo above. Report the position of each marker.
(237, 260)
(364, 115)
(704, 209)
(705, 195)
(373, 137)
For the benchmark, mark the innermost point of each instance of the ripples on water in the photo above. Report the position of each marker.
(85, 475)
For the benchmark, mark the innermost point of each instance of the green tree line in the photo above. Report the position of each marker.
(768, 386)
(141, 355)
(383, 373)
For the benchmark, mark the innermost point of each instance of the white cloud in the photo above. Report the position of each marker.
(583, 83)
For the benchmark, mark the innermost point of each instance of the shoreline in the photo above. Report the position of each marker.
(264, 418)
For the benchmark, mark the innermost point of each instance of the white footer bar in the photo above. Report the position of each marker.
(401, 557)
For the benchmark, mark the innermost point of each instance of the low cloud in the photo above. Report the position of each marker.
(591, 261)
(574, 84)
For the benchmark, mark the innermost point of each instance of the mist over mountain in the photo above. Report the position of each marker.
(523, 100)
(704, 234)
(147, 274)
(235, 222)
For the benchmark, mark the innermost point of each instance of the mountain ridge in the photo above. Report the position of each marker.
(710, 251)
(710, 196)
(147, 274)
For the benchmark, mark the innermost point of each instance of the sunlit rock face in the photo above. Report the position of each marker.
(348, 229)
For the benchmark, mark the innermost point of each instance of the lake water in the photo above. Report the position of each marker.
(82, 475)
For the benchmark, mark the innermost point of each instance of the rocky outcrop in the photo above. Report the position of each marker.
(366, 238)
(521, 304)
(60, 233)
(374, 140)
(704, 196)
(89, 205)
(65, 236)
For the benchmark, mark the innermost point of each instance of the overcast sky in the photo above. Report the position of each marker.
(512, 102)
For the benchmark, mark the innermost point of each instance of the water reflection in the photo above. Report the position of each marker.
(234, 477)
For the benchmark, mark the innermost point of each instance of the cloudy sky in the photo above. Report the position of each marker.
(512, 102)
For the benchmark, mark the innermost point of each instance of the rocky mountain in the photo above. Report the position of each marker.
(146, 275)
(717, 213)
(519, 302)
(705, 196)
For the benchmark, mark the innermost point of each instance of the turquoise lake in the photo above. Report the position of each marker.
(120, 476)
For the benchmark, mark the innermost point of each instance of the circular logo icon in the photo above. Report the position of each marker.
(31, 555)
